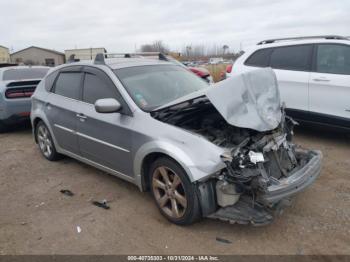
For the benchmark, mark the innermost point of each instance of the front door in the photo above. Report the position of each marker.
(330, 84)
(104, 138)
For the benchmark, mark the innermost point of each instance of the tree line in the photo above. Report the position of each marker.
(191, 52)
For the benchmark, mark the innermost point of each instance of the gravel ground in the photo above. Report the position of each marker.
(35, 218)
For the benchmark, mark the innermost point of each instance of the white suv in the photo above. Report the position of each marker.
(313, 75)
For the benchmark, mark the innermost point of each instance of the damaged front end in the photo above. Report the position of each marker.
(264, 169)
(262, 174)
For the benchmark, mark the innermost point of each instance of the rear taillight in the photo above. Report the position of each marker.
(19, 92)
(228, 69)
(21, 89)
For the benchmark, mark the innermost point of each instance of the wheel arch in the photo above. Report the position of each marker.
(146, 166)
(147, 154)
(36, 121)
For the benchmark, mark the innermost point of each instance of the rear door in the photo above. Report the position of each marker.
(104, 138)
(61, 107)
(292, 65)
(330, 84)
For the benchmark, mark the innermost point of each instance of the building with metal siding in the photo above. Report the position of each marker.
(34, 55)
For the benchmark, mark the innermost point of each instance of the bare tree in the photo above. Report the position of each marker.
(156, 46)
(188, 50)
(224, 48)
(147, 48)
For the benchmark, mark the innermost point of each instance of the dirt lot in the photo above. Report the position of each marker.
(35, 218)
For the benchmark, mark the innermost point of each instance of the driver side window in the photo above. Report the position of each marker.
(95, 88)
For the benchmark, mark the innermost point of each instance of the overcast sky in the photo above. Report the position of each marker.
(121, 25)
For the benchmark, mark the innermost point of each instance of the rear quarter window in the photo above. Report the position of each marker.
(260, 58)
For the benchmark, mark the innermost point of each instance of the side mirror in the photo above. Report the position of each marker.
(107, 105)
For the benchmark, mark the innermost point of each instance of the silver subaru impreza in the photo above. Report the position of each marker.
(223, 151)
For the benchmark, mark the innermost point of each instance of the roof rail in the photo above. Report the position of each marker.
(100, 57)
(335, 37)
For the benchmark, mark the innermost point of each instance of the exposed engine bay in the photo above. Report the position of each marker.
(258, 164)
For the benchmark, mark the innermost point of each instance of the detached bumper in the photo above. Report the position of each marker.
(301, 179)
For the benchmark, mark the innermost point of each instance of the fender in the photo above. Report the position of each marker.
(166, 148)
(196, 170)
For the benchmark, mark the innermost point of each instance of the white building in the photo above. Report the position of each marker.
(4, 54)
(84, 53)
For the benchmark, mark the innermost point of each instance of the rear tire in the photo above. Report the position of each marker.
(45, 142)
(174, 194)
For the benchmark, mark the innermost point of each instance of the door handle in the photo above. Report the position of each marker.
(82, 117)
(321, 80)
(48, 105)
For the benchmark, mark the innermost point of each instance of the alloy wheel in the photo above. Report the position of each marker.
(169, 192)
(44, 141)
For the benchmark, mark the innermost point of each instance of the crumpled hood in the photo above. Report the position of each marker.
(247, 100)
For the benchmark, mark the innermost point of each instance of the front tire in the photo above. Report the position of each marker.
(174, 194)
(45, 142)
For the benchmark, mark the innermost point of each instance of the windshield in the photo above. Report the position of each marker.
(25, 73)
(157, 85)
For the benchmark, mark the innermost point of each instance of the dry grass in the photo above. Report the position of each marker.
(215, 70)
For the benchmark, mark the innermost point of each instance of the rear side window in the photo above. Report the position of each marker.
(333, 59)
(95, 88)
(259, 58)
(25, 73)
(292, 57)
(68, 85)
